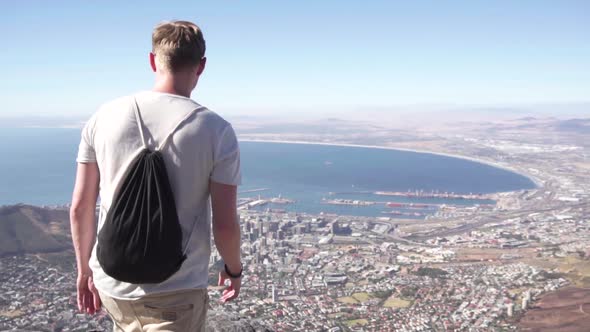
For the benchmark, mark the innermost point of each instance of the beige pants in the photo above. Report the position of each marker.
(184, 311)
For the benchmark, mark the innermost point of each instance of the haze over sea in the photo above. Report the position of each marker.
(38, 167)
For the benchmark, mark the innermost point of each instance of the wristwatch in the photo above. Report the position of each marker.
(234, 275)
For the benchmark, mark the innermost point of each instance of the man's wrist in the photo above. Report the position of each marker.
(84, 270)
(235, 273)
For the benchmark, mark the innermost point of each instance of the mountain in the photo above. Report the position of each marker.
(581, 126)
(30, 229)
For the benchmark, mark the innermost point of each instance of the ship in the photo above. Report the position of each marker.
(431, 194)
(410, 205)
(406, 214)
(419, 205)
(339, 201)
(394, 212)
(281, 200)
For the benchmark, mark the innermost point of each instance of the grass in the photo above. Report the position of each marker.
(517, 291)
(575, 269)
(348, 300)
(356, 322)
(361, 297)
(394, 302)
(355, 298)
(11, 314)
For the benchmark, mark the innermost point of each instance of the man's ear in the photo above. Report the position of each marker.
(201, 66)
(153, 61)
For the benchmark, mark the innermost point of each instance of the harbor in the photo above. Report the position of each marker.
(410, 206)
(418, 194)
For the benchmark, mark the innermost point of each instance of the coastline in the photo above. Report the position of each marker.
(538, 183)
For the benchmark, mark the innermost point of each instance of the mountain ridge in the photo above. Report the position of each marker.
(26, 229)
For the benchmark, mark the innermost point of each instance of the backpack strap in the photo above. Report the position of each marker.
(161, 146)
(139, 122)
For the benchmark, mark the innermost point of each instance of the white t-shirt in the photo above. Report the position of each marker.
(203, 148)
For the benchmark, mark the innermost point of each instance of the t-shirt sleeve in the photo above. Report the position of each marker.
(86, 152)
(226, 159)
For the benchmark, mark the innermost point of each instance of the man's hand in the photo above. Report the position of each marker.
(88, 298)
(226, 233)
(233, 290)
(83, 223)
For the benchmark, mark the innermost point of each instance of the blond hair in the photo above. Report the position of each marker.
(177, 45)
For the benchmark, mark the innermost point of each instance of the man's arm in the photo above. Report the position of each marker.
(226, 234)
(83, 224)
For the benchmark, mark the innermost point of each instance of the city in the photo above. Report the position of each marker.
(399, 165)
(460, 268)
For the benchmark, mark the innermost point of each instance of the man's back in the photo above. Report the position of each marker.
(203, 148)
(202, 161)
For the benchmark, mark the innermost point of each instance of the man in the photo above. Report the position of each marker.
(202, 161)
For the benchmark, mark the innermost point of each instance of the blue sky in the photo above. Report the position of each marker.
(67, 57)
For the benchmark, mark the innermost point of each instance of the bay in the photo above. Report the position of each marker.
(38, 167)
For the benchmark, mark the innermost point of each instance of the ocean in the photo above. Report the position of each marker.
(38, 167)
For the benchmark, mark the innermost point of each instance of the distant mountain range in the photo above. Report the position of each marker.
(565, 126)
(30, 229)
(581, 126)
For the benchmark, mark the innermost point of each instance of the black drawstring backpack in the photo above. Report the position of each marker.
(140, 241)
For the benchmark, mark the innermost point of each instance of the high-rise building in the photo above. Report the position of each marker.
(263, 242)
(273, 226)
(274, 294)
(526, 299)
